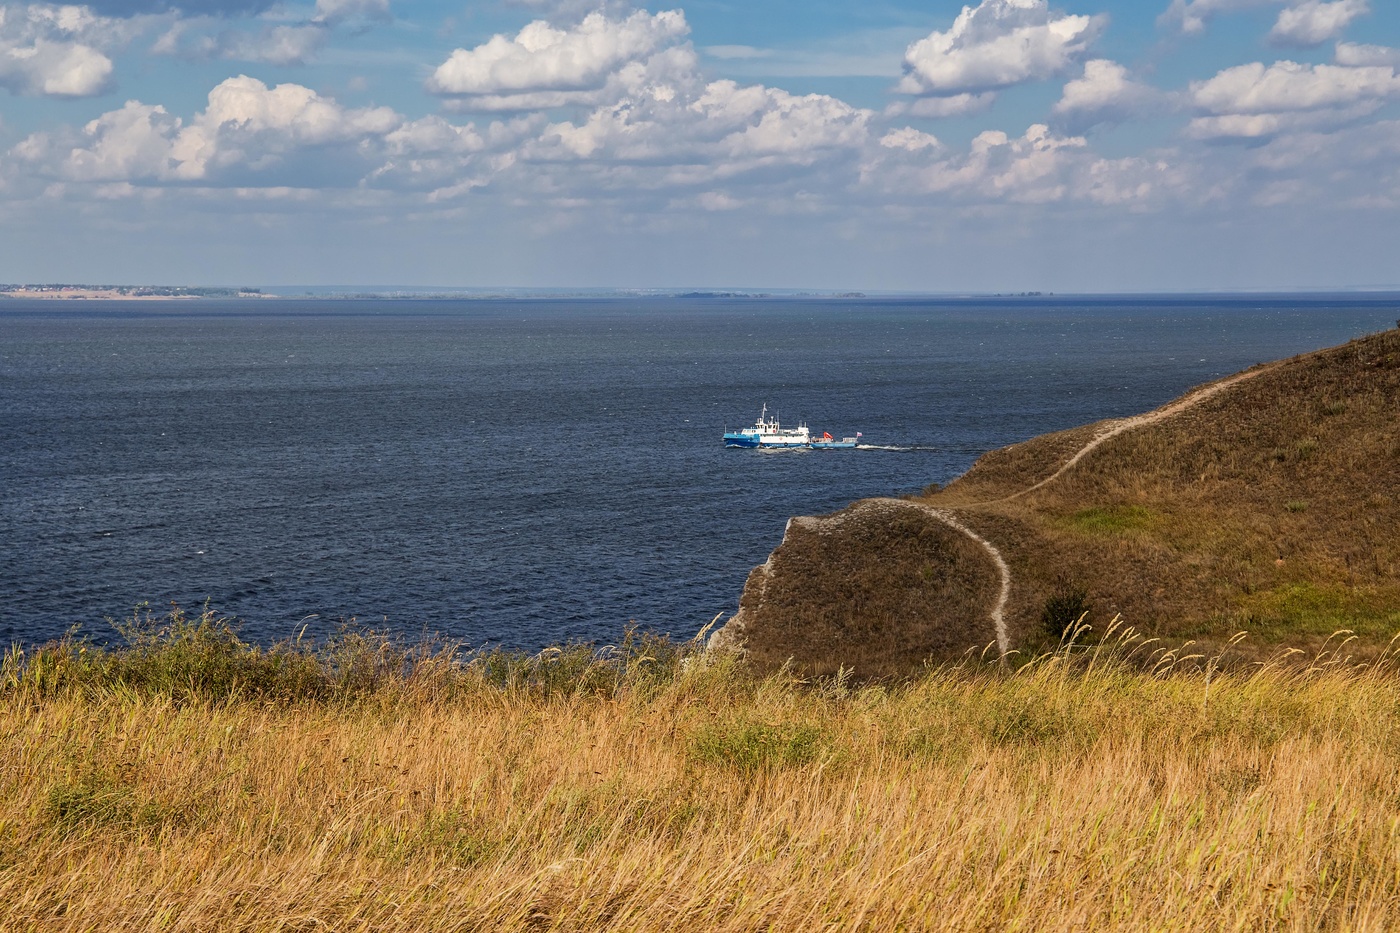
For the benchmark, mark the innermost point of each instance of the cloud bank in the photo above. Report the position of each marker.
(609, 116)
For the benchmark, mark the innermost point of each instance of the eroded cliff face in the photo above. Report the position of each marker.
(877, 588)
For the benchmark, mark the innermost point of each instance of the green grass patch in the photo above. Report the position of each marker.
(93, 804)
(1111, 520)
(1312, 609)
(752, 747)
(460, 837)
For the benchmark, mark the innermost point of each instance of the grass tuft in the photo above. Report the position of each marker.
(752, 747)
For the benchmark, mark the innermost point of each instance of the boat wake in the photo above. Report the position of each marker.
(895, 448)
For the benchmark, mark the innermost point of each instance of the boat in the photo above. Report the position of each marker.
(827, 442)
(769, 433)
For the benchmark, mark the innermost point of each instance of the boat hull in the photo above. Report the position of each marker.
(751, 441)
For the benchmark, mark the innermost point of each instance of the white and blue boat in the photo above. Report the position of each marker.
(769, 433)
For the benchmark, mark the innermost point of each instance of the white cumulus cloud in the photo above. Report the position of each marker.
(659, 73)
(652, 118)
(1314, 22)
(1355, 54)
(1254, 126)
(255, 141)
(433, 134)
(649, 135)
(246, 124)
(997, 44)
(1039, 167)
(248, 105)
(54, 51)
(1034, 168)
(545, 66)
(1285, 85)
(273, 45)
(336, 11)
(785, 125)
(132, 142)
(1191, 16)
(278, 45)
(1105, 93)
(1255, 100)
(909, 139)
(958, 105)
(719, 130)
(55, 69)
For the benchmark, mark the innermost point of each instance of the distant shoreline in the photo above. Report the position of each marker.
(85, 292)
(122, 293)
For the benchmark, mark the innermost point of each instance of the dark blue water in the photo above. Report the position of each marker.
(525, 473)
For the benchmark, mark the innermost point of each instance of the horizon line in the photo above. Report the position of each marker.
(735, 291)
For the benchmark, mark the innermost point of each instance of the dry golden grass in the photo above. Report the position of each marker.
(1105, 787)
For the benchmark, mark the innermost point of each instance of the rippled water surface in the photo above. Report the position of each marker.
(524, 473)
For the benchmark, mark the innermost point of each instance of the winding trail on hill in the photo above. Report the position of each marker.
(1127, 424)
(998, 614)
(1003, 568)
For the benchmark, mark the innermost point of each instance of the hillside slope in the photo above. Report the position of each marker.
(1268, 502)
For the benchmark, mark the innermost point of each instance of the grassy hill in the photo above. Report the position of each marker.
(1267, 503)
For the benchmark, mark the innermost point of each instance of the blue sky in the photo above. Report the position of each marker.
(1091, 145)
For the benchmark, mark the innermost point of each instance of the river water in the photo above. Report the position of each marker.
(524, 473)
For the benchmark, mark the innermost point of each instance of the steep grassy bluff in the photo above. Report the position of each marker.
(1268, 502)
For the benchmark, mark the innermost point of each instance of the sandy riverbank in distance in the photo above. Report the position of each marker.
(99, 294)
(131, 293)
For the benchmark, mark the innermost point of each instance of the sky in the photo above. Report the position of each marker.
(888, 145)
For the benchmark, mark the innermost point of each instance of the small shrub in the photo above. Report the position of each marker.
(1297, 505)
(201, 658)
(1063, 610)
